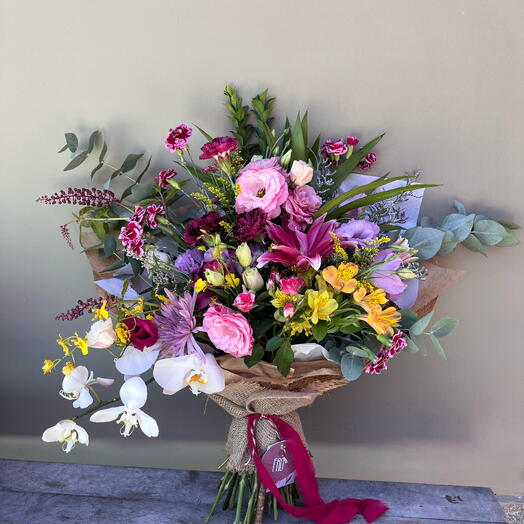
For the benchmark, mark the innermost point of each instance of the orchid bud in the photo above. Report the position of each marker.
(244, 255)
(214, 277)
(253, 279)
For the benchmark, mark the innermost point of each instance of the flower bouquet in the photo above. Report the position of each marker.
(278, 271)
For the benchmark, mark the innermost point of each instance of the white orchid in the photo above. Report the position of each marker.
(68, 433)
(76, 386)
(101, 334)
(135, 361)
(309, 351)
(200, 373)
(134, 395)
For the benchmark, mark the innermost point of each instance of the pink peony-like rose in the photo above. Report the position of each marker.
(228, 331)
(335, 148)
(291, 285)
(164, 176)
(302, 203)
(245, 301)
(178, 137)
(263, 186)
(218, 148)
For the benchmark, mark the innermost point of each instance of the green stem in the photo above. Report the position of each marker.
(240, 499)
(221, 489)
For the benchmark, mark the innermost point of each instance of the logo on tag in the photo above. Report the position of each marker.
(279, 464)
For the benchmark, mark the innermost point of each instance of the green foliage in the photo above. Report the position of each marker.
(351, 367)
(256, 356)
(239, 115)
(262, 107)
(320, 330)
(284, 357)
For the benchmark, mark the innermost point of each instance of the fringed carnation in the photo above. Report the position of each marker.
(82, 196)
(250, 225)
(194, 230)
(398, 343)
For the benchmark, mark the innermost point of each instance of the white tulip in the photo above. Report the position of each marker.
(68, 433)
(76, 386)
(199, 373)
(309, 351)
(135, 361)
(101, 334)
(133, 394)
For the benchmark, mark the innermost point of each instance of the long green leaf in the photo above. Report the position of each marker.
(92, 140)
(207, 136)
(335, 202)
(298, 145)
(376, 197)
(76, 161)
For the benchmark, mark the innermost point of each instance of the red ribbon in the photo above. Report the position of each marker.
(315, 509)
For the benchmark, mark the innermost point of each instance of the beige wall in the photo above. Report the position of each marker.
(443, 78)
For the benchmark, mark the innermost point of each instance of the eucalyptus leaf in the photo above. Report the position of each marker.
(449, 243)
(109, 245)
(130, 162)
(411, 346)
(76, 161)
(425, 240)
(92, 140)
(420, 325)
(140, 192)
(474, 244)
(489, 232)
(443, 327)
(408, 318)
(509, 224)
(426, 222)
(460, 225)
(509, 240)
(71, 142)
(351, 367)
(459, 206)
(438, 346)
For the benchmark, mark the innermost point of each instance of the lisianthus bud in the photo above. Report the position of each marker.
(214, 277)
(244, 254)
(301, 173)
(285, 158)
(253, 279)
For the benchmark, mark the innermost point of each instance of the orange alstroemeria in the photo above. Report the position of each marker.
(368, 301)
(341, 278)
(382, 321)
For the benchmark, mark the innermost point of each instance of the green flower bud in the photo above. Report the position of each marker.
(244, 255)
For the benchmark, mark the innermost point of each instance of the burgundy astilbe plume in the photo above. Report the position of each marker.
(81, 307)
(82, 196)
(64, 230)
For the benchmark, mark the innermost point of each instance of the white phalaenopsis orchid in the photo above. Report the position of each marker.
(200, 373)
(68, 433)
(135, 361)
(134, 395)
(77, 384)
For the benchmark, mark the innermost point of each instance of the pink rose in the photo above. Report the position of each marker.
(291, 285)
(335, 148)
(245, 301)
(302, 203)
(262, 186)
(228, 331)
(289, 310)
(178, 137)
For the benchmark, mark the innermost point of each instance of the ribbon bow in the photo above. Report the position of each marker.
(315, 509)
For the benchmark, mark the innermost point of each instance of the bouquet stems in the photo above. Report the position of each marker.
(243, 493)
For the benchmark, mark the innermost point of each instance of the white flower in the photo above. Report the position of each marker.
(76, 386)
(101, 335)
(309, 351)
(67, 432)
(135, 361)
(134, 395)
(199, 373)
(301, 173)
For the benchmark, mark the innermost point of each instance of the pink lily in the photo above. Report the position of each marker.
(298, 248)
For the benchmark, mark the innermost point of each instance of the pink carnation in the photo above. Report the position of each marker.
(398, 343)
(302, 203)
(164, 176)
(245, 301)
(219, 147)
(335, 148)
(152, 211)
(228, 331)
(263, 186)
(178, 137)
(131, 237)
(138, 215)
(291, 285)
(352, 140)
(367, 161)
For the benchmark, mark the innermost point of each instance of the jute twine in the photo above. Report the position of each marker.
(261, 389)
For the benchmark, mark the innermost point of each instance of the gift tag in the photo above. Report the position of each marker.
(279, 464)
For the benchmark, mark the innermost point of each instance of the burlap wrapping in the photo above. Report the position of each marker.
(262, 389)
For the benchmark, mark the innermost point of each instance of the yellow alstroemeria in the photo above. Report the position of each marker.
(63, 343)
(200, 285)
(300, 327)
(101, 312)
(122, 333)
(281, 299)
(48, 366)
(81, 344)
(321, 304)
(66, 370)
(368, 301)
(342, 278)
(232, 280)
(382, 321)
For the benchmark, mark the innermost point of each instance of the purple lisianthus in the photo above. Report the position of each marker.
(355, 233)
(384, 276)
(190, 261)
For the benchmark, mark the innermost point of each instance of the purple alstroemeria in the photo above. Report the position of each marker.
(298, 248)
(384, 276)
(355, 233)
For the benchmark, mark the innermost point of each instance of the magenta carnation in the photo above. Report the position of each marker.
(334, 148)
(131, 237)
(250, 225)
(228, 331)
(208, 223)
(352, 141)
(218, 148)
(367, 161)
(398, 343)
(245, 301)
(164, 176)
(301, 204)
(138, 215)
(177, 138)
(152, 211)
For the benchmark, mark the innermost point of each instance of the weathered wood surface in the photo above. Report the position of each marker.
(51, 493)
